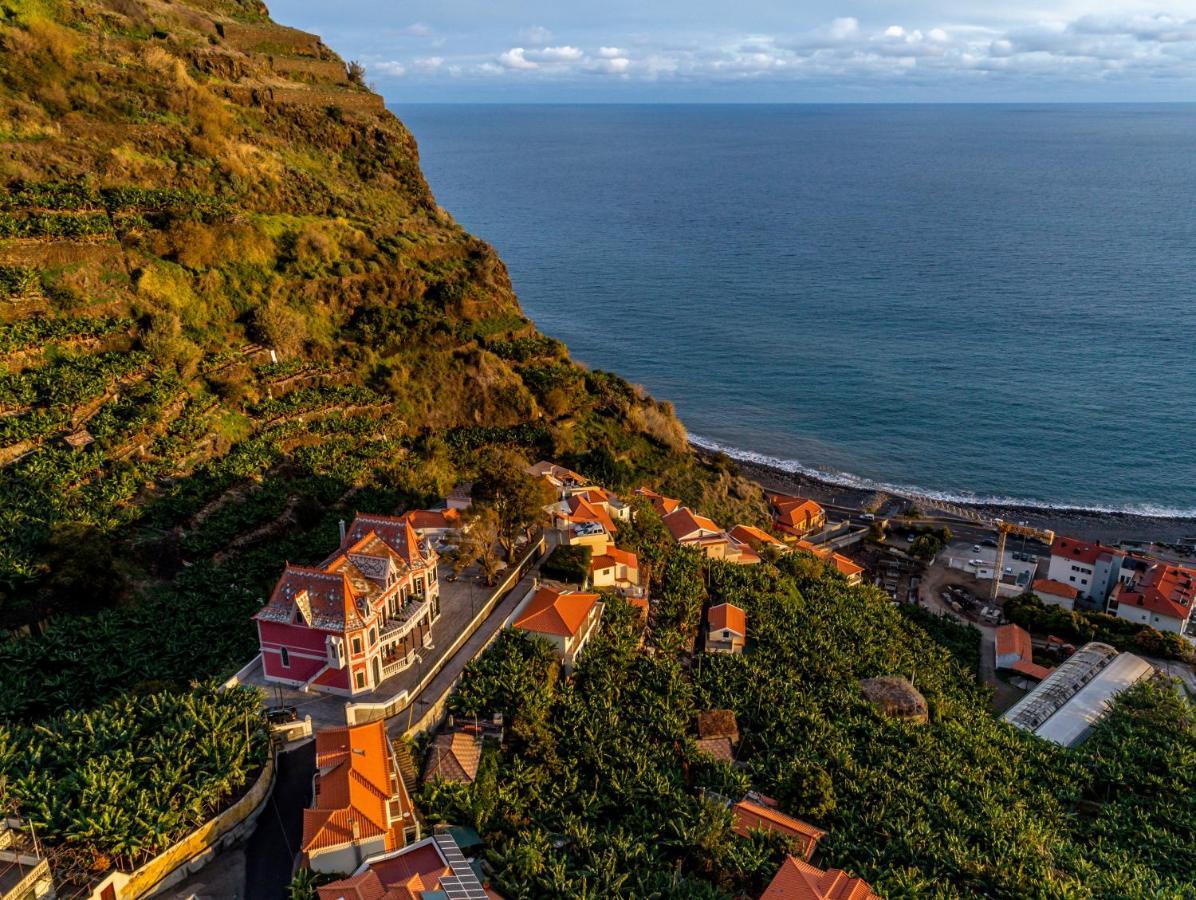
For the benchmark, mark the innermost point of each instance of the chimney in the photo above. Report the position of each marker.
(342, 524)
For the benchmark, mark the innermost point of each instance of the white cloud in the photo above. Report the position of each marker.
(1090, 49)
(514, 59)
(417, 29)
(559, 54)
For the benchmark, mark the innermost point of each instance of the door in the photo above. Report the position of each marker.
(377, 672)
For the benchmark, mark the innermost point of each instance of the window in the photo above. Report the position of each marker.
(360, 678)
(1083, 581)
(373, 636)
(356, 645)
(419, 586)
(1072, 578)
(286, 658)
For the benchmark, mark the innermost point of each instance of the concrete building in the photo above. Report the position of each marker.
(24, 872)
(431, 869)
(1089, 567)
(566, 619)
(1056, 593)
(1072, 699)
(358, 618)
(726, 629)
(360, 806)
(615, 568)
(1162, 597)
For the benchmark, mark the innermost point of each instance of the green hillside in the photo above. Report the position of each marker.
(230, 312)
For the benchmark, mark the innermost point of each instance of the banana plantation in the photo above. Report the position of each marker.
(598, 792)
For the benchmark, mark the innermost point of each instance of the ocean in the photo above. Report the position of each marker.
(989, 302)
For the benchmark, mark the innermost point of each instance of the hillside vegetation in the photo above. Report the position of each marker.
(230, 313)
(599, 791)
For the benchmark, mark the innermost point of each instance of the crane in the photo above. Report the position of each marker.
(1003, 528)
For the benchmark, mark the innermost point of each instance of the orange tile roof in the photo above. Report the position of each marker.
(662, 504)
(1166, 590)
(1087, 552)
(844, 564)
(684, 521)
(433, 518)
(366, 886)
(552, 611)
(559, 474)
(798, 880)
(640, 603)
(613, 556)
(1056, 588)
(795, 511)
(1032, 669)
(750, 534)
(582, 510)
(1014, 639)
(750, 816)
(728, 617)
(355, 785)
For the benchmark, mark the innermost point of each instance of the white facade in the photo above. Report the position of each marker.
(1141, 616)
(1073, 573)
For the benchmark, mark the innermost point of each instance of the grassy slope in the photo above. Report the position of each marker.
(188, 186)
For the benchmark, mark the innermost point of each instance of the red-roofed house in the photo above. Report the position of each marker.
(798, 880)
(1056, 593)
(1013, 651)
(726, 629)
(662, 504)
(434, 523)
(562, 481)
(566, 619)
(360, 807)
(852, 571)
(615, 568)
(693, 530)
(758, 538)
(796, 516)
(1089, 567)
(431, 869)
(750, 816)
(358, 618)
(1161, 597)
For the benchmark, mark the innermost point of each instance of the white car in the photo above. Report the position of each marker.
(975, 548)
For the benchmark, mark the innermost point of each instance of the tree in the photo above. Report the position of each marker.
(477, 544)
(517, 499)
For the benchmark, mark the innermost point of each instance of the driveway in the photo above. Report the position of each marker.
(271, 850)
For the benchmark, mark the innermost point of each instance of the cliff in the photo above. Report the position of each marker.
(231, 308)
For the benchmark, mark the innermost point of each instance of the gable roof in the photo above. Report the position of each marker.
(355, 784)
(582, 510)
(1166, 590)
(727, 617)
(750, 534)
(553, 611)
(684, 523)
(1054, 588)
(613, 556)
(421, 519)
(794, 511)
(396, 532)
(662, 504)
(1014, 639)
(432, 868)
(798, 880)
(750, 815)
(320, 599)
(843, 564)
(556, 474)
(717, 748)
(454, 756)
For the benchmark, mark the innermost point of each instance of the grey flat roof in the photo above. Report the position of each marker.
(1072, 722)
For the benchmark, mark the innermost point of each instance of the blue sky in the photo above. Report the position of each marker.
(761, 50)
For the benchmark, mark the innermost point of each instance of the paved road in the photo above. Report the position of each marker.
(271, 849)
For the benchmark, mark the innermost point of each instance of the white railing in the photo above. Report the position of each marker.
(406, 619)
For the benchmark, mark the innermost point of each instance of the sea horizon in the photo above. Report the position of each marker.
(1047, 226)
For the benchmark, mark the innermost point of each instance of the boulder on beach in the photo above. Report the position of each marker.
(895, 698)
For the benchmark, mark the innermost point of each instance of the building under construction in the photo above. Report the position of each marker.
(1065, 706)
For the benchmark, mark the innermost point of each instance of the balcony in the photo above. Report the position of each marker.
(406, 618)
(394, 664)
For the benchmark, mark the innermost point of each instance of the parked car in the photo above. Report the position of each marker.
(277, 716)
(975, 548)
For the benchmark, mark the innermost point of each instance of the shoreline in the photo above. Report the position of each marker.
(1110, 527)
